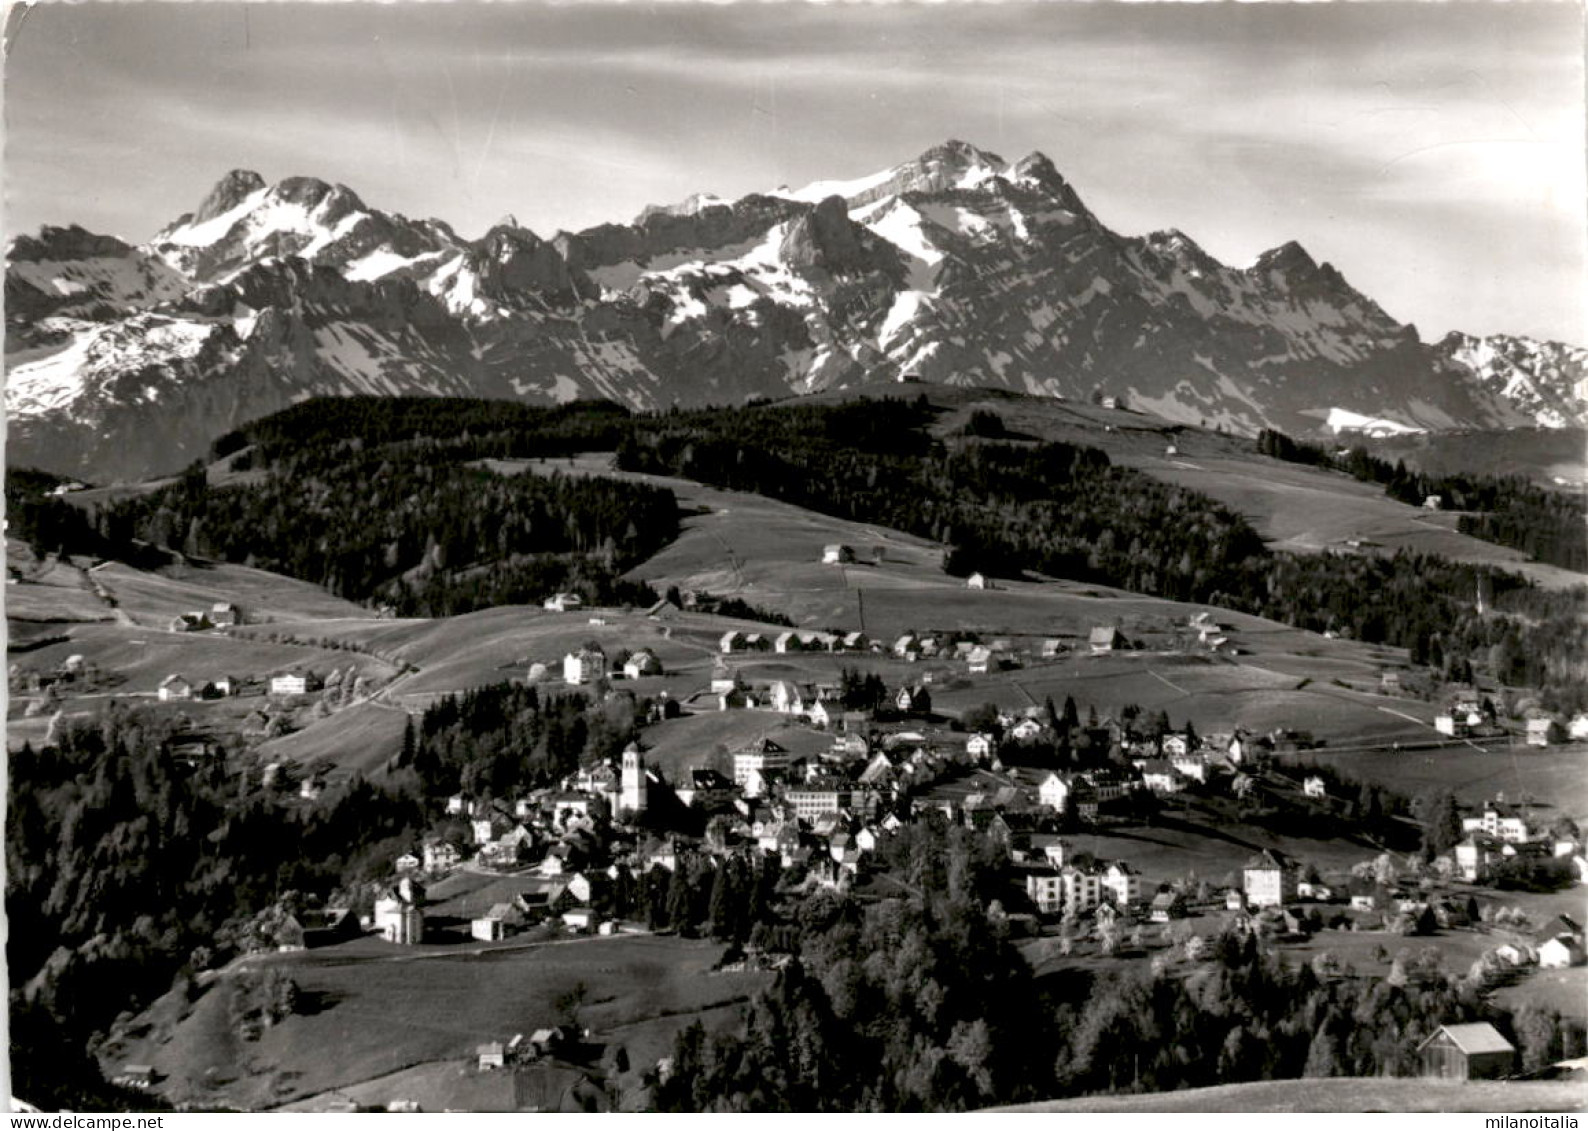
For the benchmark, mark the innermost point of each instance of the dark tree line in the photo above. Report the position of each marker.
(921, 1003)
(382, 501)
(121, 864)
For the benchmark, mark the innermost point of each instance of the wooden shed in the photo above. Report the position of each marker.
(1467, 1052)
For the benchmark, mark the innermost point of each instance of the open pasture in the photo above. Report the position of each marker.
(154, 598)
(1375, 1094)
(372, 1011)
(137, 659)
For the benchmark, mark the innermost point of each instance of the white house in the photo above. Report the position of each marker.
(586, 665)
(979, 659)
(1268, 881)
(979, 747)
(293, 683)
(1123, 882)
(1577, 729)
(836, 553)
(174, 687)
(642, 663)
(1054, 792)
(562, 602)
(976, 581)
(1314, 787)
(1542, 731)
(1561, 951)
(1045, 886)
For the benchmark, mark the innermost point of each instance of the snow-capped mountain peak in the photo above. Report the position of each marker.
(955, 266)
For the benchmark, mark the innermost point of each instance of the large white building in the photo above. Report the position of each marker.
(586, 665)
(762, 756)
(1268, 881)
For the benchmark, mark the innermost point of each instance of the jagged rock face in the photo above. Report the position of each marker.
(956, 266)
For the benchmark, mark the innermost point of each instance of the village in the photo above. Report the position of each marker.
(803, 754)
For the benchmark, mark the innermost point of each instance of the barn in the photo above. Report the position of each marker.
(1467, 1052)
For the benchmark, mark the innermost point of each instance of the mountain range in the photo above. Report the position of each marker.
(956, 266)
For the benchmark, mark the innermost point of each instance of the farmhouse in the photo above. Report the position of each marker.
(732, 641)
(1542, 731)
(224, 614)
(218, 688)
(977, 581)
(295, 683)
(642, 663)
(1105, 640)
(836, 553)
(174, 687)
(563, 602)
(584, 666)
(1314, 787)
(190, 622)
(1474, 1051)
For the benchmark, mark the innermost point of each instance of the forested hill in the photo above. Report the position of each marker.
(1006, 505)
(382, 501)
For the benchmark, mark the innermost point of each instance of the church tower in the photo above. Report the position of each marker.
(634, 785)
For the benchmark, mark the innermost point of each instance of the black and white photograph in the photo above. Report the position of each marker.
(855, 557)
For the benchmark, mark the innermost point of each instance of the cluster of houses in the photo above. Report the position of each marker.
(73, 672)
(589, 664)
(1499, 831)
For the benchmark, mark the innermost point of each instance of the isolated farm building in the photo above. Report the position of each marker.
(316, 928)
(221, 687)
(1390, 683)
(1451, 726)
(977, 581)
(1433, 502)
(491, 1055)
(1105, 640)
(562, 602)
(1167, 905)
(836, 553)
(642, 663)
(1314, 786)
(1542, 731)
(1561, 951)
(586, 665)
(174, 687)
(1474, 1051)
(190, 622)
(1269, 880)
(140, 1076)
(224, 614)
(295, 683)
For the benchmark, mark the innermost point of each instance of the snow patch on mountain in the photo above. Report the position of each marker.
(1344, 420)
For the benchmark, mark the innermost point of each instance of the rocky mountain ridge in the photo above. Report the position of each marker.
(955, 266)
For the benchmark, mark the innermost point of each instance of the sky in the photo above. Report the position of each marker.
(1434, 153)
